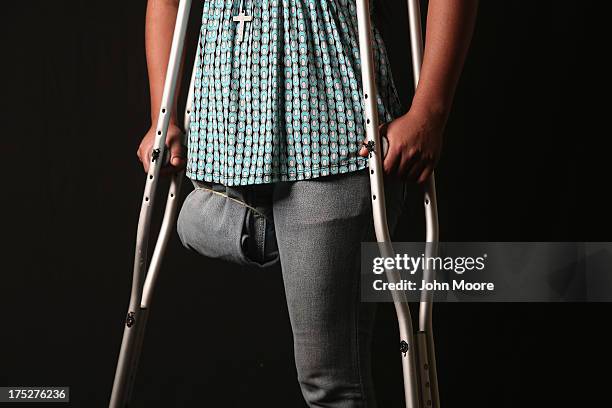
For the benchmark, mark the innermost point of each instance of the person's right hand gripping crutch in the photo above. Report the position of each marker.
(175, 150)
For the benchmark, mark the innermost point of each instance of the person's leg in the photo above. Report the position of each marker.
(320, 224)
(234, 224)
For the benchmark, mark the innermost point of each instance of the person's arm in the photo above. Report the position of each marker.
(449, 30)
(159, 28)
(415, 139)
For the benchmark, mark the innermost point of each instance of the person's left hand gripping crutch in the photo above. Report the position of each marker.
(415, 144)
(415, 138)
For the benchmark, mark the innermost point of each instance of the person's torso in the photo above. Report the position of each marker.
(277, 91)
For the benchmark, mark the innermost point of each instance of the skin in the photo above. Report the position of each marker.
(415, 138)
(159, 27)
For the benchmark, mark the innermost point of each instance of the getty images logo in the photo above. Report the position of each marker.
(411, 264)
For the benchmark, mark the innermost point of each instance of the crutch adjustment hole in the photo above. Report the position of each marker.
(426, 201)
(371, 171)
(374, 197)
(164, 110)
(368, 121)
(146, 198)
(365, 96)
(151, 177)
(171, 195)
(159, 132)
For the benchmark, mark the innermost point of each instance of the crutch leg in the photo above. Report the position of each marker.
(421, 390)
(135, 323)
(426, 349)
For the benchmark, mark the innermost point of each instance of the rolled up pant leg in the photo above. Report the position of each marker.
(234, 224)
(320, 224)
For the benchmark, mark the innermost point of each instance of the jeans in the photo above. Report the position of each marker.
(314, 228)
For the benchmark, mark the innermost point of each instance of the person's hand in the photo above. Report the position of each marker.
(415, 144)
(174, 147)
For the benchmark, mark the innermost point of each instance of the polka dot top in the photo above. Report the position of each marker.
(278, 94)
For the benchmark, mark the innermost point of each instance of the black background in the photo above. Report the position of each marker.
(523, 161)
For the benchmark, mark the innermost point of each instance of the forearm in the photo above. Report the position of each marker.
(159, 29)
(450, 25)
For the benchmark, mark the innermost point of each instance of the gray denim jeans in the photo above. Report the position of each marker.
(314, 228)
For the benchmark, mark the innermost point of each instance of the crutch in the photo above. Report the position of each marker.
(142, 285)
(418, 362)
(141, 294)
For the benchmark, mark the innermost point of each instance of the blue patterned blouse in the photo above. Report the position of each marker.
(277, 92)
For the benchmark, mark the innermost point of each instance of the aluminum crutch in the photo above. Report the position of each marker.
(420, 390)
(135, 323)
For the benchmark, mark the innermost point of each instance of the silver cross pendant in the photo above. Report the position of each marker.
(241, 18)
